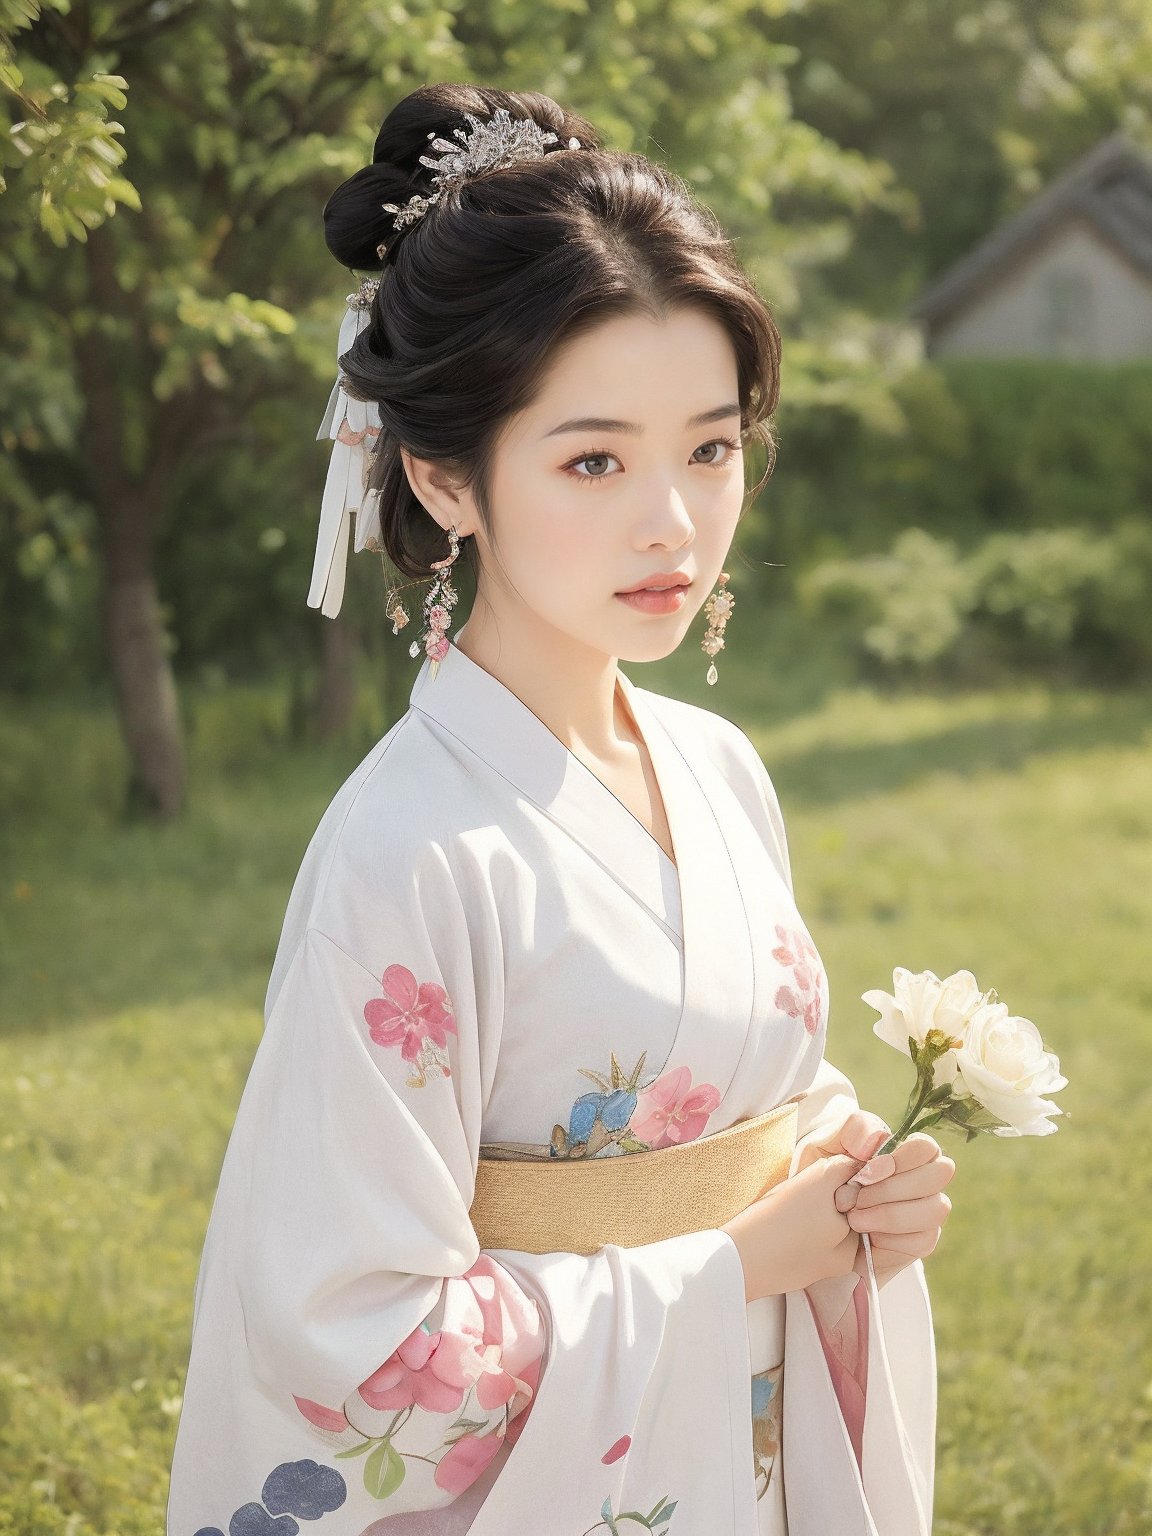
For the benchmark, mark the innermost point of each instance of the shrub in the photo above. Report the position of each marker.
(1069, 598)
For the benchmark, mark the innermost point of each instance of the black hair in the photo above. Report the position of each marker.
(475, 296)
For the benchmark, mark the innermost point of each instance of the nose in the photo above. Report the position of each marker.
(668, 524)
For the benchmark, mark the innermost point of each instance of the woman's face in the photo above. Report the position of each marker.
(627, 466)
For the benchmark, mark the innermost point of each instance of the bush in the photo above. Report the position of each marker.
(1068, 599)
(911, 602)
(986, 446)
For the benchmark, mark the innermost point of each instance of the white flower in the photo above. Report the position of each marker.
(920, 1001)
(1002, 1064)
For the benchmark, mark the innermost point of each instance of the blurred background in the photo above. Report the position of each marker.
(942, 644)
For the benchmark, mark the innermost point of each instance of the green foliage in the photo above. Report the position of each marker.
(209, 318)
(975, 106)
(67, 150)
(976, 447)
(1066, 596)
(916, 596)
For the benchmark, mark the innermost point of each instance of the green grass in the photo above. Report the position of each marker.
(1008, 831)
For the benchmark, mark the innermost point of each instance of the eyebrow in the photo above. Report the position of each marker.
(607, 424)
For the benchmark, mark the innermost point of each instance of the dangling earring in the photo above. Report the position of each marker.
(718, 607)
(439, 601)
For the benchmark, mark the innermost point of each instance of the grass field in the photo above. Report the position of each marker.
(1007, 831)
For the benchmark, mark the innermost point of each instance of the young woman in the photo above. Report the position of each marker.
(532, 1219)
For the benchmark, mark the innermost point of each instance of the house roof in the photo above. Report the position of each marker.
(1111, 186)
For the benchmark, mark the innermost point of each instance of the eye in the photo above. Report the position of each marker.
(719, 442)
(590, 458)
(593, 457)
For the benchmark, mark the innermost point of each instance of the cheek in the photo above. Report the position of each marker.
(551, 540)
(730, 502)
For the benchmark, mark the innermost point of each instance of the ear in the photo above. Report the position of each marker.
(448, 503)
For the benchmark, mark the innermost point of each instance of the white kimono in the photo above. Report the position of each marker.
(484, 946)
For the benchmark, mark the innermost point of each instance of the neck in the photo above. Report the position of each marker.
(570, 688)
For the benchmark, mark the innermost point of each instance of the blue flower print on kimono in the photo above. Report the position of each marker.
(300, 1488)
(478, 1370)
(625, 1116)
(767, 1402)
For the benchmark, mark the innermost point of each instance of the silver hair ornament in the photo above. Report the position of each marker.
(354, 425)
(501, 141)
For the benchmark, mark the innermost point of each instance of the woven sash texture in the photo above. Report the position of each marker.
(576, 1205)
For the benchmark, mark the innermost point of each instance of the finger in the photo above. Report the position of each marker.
(862, 1133)
(846, 1195)
(837, 1173)
(917, 1245)
(860, 1128)
(901, 1215)
(928, 1179)
(882, 1166)
(877, 1168)
(918, 1149)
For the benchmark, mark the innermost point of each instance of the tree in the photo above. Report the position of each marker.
(976, 107)
(171, 325)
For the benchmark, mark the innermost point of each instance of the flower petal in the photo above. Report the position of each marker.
(400, 984)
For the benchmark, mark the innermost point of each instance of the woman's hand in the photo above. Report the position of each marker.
(904, 1211)
(794, 1235)
(808, 1228)
(898, 1196)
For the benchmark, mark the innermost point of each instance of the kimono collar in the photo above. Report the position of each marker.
(484, 712)
(495, 723)
(699, 899)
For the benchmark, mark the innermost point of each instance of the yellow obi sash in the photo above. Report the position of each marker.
(576, 1205)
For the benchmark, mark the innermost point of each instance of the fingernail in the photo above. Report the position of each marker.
(879, 1168)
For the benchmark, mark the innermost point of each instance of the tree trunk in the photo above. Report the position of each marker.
(336, 697)
(137, 648)
(126, 501)
(145, 690)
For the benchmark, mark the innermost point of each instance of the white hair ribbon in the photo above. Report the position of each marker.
(353, 425)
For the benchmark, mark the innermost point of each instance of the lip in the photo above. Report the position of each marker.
(660, 582)
(661, 600)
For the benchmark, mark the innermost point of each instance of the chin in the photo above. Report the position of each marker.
(655, 649)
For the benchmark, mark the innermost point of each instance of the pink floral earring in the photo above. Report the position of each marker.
(718, 608)
(439, 601)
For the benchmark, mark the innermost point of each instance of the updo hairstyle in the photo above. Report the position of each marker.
(475, 296)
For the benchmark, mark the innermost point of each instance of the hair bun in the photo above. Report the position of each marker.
(355, 223)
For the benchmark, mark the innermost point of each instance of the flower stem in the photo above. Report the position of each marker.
(908, 1125)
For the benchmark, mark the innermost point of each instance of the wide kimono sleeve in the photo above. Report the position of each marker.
(860, 1355)
(368, 1303)
(353, 1348)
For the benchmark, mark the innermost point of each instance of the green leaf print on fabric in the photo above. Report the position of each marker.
(658, 1518)
(481, 1366)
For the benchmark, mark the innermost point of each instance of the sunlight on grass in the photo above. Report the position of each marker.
(1009, 832)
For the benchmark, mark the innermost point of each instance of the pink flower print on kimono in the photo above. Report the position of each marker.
(671, 1110)
(481, 1365)
(767, 1403)
(628, 1116)
(805, 998)
(418, 1017)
